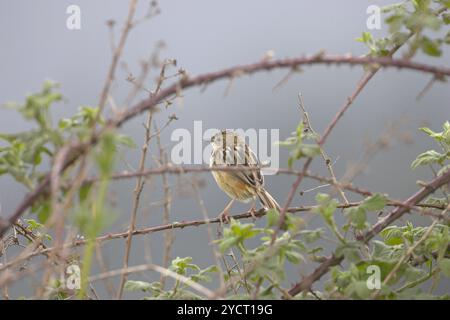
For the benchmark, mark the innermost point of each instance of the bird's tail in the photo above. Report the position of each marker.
(268, 201)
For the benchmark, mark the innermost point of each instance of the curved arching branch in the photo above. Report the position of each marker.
(268, 65)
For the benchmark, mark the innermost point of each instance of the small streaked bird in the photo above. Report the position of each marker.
(230, 149)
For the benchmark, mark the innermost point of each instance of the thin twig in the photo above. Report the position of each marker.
(168, 236)
(140, 182)
(182, 169)
(215, 252)
(195, 223)
(116, 57)
(322, 151)
(166, 272)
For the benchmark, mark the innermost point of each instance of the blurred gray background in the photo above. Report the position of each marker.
(206, 36)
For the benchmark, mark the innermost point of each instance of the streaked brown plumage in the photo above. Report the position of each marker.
(230, 149)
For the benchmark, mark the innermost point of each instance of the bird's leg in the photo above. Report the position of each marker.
(253, 209)
(223, 216)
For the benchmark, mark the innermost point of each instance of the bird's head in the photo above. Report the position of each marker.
(226, 138)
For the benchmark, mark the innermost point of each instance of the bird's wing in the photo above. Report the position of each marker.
(241, 155)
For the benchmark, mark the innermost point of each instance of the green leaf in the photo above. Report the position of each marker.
(357, 217)
(293, 223)
(326, 208)
(273, 217)
(84, 191)
(311, 236)
(299, 149)
(309, 150)
(210, 269)
(242, 231)
(125, 140)
(447, 38)
(132, 285)
(392, 235)
(381, 251)
(105, 154)
(350, 251)
(431, 133)
(375, 202)
(44, 211)
(322, 198)
(225, 244)
(180, 265)
(294, 257)
(33, 224)
(412, 274)
(446, 18)
(430, 47)
(443, 170)
(395, 22)
(444, 265)
(358, 289)
(366, 37)
(428, 157)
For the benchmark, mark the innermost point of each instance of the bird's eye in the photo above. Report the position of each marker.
(213, 138)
